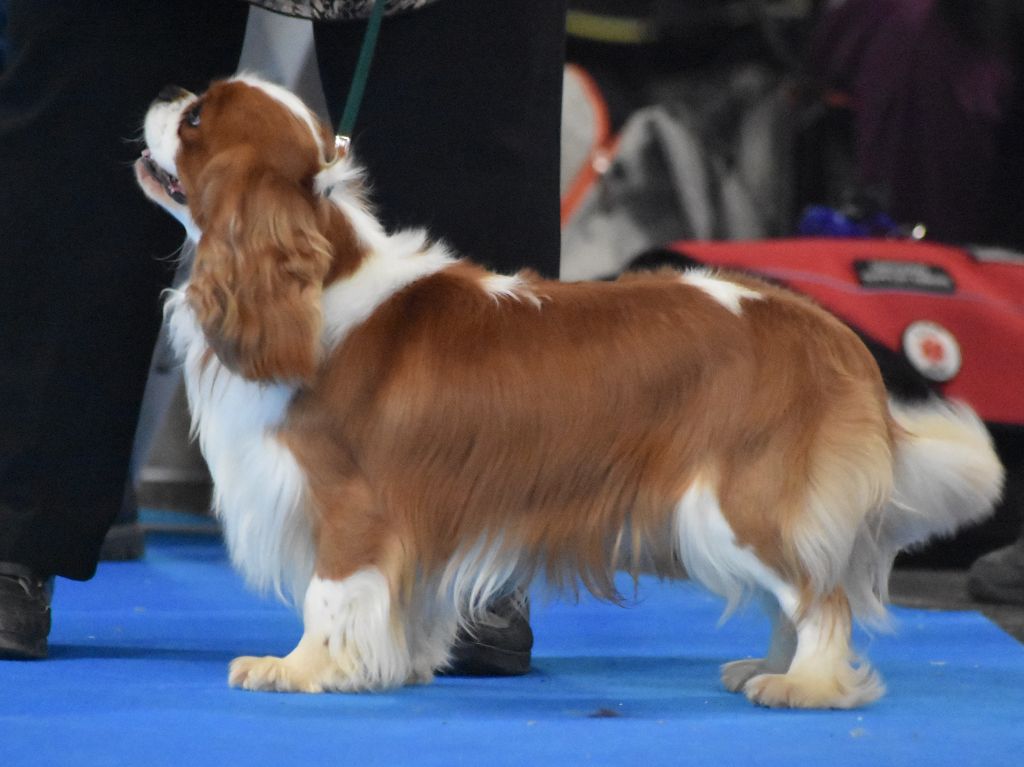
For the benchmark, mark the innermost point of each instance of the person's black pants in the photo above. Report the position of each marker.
(83, 255)
(460, 125)
(459, 130)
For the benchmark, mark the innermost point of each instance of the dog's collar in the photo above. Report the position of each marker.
(326, 178)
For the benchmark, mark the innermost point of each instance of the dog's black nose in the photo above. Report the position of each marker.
(171, 93)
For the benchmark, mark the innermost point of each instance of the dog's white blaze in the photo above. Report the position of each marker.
(292, 102)
(728, 294)
(160, 130)
(352, 618)
(406, 258)
(259, 485)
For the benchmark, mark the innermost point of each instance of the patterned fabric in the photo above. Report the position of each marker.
(336, 10)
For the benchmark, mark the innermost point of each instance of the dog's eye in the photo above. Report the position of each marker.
(193, 115)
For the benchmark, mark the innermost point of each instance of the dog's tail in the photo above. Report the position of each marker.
(947, 475)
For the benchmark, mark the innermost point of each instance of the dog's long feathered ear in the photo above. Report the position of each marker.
(259, 270)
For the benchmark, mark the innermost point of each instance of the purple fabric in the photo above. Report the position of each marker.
(928, 106)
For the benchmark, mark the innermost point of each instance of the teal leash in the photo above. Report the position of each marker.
(362, 73)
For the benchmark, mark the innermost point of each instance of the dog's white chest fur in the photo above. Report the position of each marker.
(259, 486)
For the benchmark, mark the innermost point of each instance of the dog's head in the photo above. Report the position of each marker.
(244, 167)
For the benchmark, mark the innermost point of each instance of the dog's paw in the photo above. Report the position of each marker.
(780, 691)
(270, 674)
(739, 672)
(802, 690)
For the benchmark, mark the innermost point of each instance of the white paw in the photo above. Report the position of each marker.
(270, 674)
(802, 690)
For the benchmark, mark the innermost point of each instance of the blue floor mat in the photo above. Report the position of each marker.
(139, 655)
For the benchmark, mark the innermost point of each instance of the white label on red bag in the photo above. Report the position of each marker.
(932, 350)
(879, 274)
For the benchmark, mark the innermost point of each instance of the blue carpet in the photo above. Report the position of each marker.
(139, 659)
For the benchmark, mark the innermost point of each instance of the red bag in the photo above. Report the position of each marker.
(958, 319)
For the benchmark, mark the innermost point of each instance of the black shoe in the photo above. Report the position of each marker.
(499, 646)
(24, 612)
(998, 576)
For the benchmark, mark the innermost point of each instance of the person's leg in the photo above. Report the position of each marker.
(460, 125)
(460, 132)
(83, 256)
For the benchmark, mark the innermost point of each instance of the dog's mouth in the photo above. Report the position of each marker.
(170, 184)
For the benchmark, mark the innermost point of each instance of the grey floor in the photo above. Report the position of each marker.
(947, 590)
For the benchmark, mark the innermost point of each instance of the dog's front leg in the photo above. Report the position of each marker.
(353, 640)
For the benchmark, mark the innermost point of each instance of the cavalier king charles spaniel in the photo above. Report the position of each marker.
(398, 437)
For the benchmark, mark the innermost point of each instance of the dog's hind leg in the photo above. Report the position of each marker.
(822, 673)
(780, 650)
(809, 662)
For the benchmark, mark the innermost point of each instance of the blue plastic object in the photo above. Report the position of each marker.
(823, 221)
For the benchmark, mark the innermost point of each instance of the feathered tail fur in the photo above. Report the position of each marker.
(947, 475)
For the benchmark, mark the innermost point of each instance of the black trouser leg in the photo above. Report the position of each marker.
(460, 132)
(83, 255)
(460, 125)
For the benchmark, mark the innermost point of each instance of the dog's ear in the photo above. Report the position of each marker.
(259, 270)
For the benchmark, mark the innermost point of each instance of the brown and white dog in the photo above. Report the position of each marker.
(397, 435)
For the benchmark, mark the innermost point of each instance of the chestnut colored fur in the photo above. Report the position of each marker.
(561, 425)
(268, 250)
(463, 431)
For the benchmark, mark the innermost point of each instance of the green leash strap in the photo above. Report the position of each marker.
(362, 73)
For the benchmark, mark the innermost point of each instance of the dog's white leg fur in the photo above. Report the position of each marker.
(352, 641)
(430, 634)
(820, 674)
(781, 650)
(708, 549)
